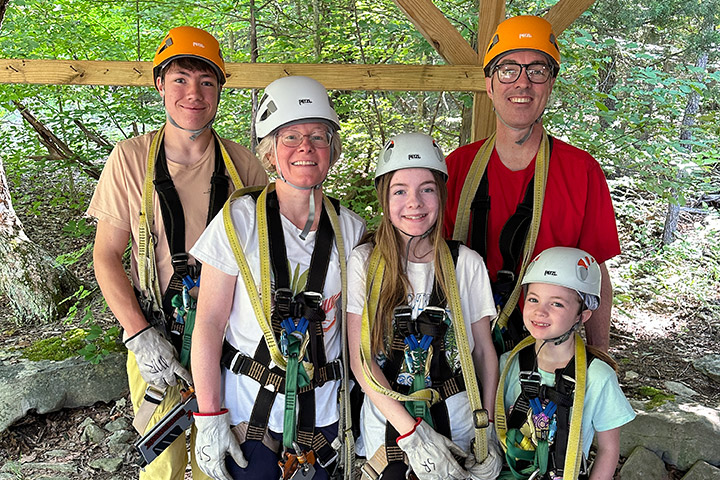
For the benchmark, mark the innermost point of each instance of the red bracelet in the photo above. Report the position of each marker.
(210, 414)
(417, 422)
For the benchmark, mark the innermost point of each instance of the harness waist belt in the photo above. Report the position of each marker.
(241, 364)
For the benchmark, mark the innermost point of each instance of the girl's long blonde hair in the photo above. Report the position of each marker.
(396, 286)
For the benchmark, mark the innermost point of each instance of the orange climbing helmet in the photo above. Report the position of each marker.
(189, 42)
(524, 32)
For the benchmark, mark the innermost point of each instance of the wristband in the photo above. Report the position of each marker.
(417, 422)
(211, 414)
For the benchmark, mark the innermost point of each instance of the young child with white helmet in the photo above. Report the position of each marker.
(555, 393)
(419, 311)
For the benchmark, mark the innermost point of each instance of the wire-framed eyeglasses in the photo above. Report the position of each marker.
(293, 138)
(536, 72)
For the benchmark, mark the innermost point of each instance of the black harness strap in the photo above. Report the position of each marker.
(561, 394)
(307, 304)
(441, 374)
(173, 217)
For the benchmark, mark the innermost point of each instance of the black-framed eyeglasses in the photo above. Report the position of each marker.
(536, 72)
(293, 138)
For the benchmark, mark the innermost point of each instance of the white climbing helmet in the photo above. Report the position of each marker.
(567, 267)
(410, 150)
(293, 99)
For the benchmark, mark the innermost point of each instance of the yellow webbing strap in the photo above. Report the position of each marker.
(376, 270)
(574, 453)
(147, 266)
(461, 339)
(472, 182)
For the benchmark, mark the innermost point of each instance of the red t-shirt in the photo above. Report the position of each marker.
(577, 211)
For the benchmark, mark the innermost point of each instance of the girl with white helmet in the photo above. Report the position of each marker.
(268, 337)
(555, 393)
(419, 312)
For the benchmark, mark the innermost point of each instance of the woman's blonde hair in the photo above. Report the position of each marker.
(265, 150)
(396, 285)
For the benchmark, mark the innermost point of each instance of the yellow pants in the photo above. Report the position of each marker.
(171, 464)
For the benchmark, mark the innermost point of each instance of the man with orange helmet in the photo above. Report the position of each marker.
(178, 178)
(521, 191)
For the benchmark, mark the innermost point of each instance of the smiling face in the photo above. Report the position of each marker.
(305, 165)
(551, 310)
(413, 200)
(190, 96)
(522, 102)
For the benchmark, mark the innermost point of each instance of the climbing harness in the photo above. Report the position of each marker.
(293, 339)
(517, 238)
(541, 435)
(419, 345)
(172, 314)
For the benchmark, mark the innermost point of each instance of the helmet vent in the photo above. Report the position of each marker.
(271, 108)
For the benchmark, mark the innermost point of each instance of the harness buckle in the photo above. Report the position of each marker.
(283, 300)
(530, 383)
(310, 299)
(504, 276)
(179, 263)
(154, 395)
(481, 418)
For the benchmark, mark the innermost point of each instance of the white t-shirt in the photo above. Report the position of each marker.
(605, 405)
(243, 330)
(476, 301)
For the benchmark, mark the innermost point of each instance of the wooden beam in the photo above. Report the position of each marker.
(467, 78)
(438, 31)
(565, 12)
(492, 12)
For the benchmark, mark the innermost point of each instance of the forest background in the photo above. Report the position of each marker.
(638, 89)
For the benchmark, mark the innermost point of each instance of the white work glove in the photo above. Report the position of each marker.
(213, 441)
(490, 468)
(156, 359)
(431, 454)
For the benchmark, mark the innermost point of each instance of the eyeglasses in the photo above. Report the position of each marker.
(293, 138)
(536, 72)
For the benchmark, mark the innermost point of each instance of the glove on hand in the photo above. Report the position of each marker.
(490, 468)
(431, 454)
(213, 441)
(156, 359)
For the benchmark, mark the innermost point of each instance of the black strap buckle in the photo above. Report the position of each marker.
(530, 383)
(179, 263)
(283, 301)
(309, 299)
(505, 276)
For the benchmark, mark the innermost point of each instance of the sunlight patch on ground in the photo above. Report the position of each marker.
(637, 323)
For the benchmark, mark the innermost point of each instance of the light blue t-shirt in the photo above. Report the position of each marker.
(605, 404)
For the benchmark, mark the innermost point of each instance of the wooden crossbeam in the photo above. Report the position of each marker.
(468, 78)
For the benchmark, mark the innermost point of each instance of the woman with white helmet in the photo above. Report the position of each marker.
(268, 337)
(419, 312)
(554, 395)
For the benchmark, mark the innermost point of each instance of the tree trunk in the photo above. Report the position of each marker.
(30, 277)
(691, 109)
(253, 59)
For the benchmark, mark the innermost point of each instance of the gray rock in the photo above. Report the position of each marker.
(679, 433)
(57, 453)
(62, 467)
(680, 389)
(7, 476)
(121, 436)
(630, 375)
(643, 464)
(52, 477)
(702, 471)
(48, 386)
(93, 434)
(121, 423)
(107, 464)
(709, 365)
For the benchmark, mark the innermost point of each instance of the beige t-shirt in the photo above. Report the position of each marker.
(118, 195)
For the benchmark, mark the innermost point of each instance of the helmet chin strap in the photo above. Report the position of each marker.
(195, 133)
(413, 237)
(529, 131)
(311, 207)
